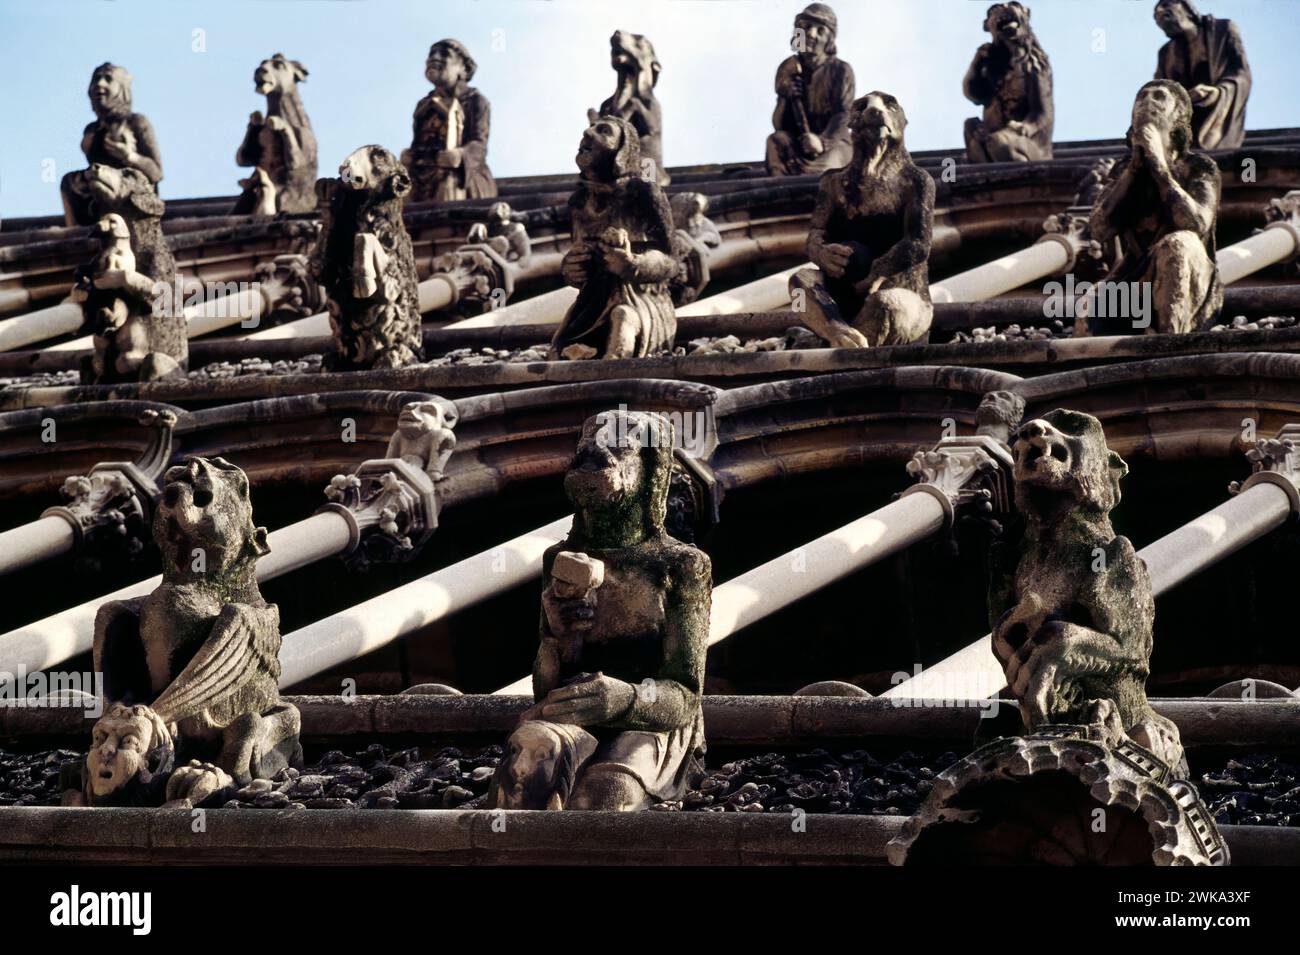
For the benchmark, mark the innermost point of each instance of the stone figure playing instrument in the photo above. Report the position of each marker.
(633, 58)
(448, 154)
(619, 673)
(869, 239)
(1161, 202)
(622, 256)
(814, 93)
(118, 137)
(1206, 57)
(195, 665)
(281, 146)
(1012, 79)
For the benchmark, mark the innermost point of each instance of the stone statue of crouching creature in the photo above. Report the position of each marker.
(618, 723)
(197, 659)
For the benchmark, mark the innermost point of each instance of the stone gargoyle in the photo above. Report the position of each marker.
(619, 673)
(280, 145)
(193, 667)
(364, 261)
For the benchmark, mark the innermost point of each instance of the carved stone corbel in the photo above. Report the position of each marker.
(961, 472)
(391, 503)
(694, 498)
(1276, 461)
(110, 509)
(479, 276)
(288, 287)
(1284, 213)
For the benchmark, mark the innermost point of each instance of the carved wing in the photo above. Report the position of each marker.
(118, 651)
(244, 642)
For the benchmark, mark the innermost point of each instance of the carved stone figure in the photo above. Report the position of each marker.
(364, 261)
(999, 415)
(118, 137)
(448, 154)
(1160, 202)
(197, 659)
(870, 239)
(424, 437)
(622, 256)
(280, 145)
(633, 58)
(814, 95)
(625, 617)
(1206, 56)
(1070, 602)
(1012, 79)
(694, 238)
(138, 333)
(502, 233)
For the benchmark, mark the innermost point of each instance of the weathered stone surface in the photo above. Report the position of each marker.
(1206, 56)
(448, 155)
(280, 145)
(622, 256)
(619, 674)
(814, 95)
(633, 58)
(870, 239)
(1012, 79)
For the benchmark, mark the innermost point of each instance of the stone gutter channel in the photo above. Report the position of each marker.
(417, 836)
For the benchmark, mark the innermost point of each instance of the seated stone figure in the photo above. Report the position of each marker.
(622, 256)
(118, 138)
(625, 617)
(814, 90)
(448, 154)
(1012, 79)
(1161, 202)
(870, 239)
(1206, 56)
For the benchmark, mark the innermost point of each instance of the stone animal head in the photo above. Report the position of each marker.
(261, 185)
(610, 150)
(278, 75)
(110, 91)
(375, 170)
(877, 119)
(449, 65)
(112, 228)
(424, 417)
(1008, 25)
(1176, 17)
(205, 509)
(814, 30)
(1062, 464)
(622, 469)
(540, 766)
(633, 58)
(1166, 105)
(129, 744)
(127, 192)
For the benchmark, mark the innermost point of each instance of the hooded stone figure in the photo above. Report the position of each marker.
(619, 671)
(118, 138)
(1206, 56)
(622, 256)
(448, 154)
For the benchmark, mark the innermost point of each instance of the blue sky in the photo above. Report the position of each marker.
(542, 63)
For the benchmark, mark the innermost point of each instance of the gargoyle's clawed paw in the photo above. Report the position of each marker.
(192, 784)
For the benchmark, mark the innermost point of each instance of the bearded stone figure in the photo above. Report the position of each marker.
(870, 239)
(622, 257)
(1161, 202)
(1012, 79)
(448, 155)
(814, 92)
(118, 138)
(1206, 57)
(619, 673)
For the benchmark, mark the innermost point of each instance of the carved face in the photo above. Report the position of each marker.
(126, 190)
(634, 54)
(607, 465)
(110, 91)
(373, 167)
(812, 37)
(1008, 24)
(499, 211)
(1062, 458)
(1158, 104)
(278, 75)
(530, 767)
(112, 226)
(1174, 17)
(877, 118)
(205, 507)
(444, 68)
(419, 417)
(599, 145)
(121, 743)
(1000, 411)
